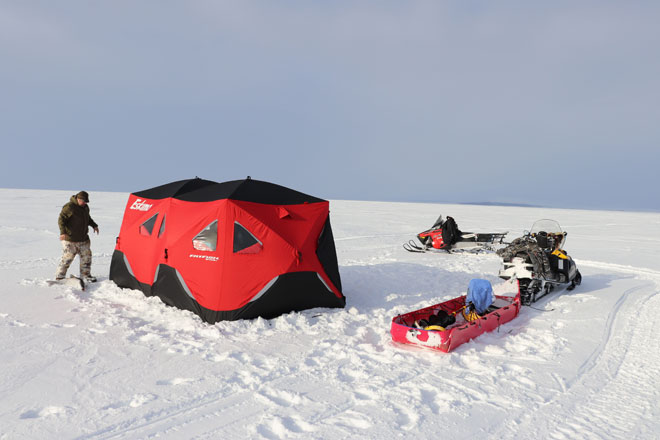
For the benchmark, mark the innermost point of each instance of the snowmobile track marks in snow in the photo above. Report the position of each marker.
(601, 400)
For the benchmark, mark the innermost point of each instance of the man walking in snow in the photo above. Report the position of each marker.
(74, 222)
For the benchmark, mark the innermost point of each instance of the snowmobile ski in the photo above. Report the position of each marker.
(411, 246)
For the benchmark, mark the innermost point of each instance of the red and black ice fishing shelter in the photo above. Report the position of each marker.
(227, 251)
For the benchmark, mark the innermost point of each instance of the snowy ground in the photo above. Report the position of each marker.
(113, 364)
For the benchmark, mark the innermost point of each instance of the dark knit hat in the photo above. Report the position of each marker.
(82, 195)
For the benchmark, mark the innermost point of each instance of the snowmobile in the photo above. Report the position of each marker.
(445, 235)
(539, 263)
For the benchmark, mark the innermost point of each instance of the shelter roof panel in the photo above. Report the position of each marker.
(174, 189)
(249, 190)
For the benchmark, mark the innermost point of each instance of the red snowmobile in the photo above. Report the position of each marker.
(445, 235)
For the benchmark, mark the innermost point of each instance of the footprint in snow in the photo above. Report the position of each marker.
(44, 412)
(96, 331)
(175, 381)
(141, 399)
(136, 401)
(283, 427)
(58, 325)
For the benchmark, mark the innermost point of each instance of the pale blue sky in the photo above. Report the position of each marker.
(548, 103)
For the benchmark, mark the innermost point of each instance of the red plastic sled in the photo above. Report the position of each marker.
(403, 330)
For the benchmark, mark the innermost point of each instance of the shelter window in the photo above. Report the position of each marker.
(162, 226)
(207, 239)
(244, 241)
(147, 227)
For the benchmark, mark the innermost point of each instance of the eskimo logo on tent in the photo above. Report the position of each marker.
(205, 257)
(140, 205)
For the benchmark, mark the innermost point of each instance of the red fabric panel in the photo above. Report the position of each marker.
(222, 279)
(252, 272)
(202, 271)
(142, 251)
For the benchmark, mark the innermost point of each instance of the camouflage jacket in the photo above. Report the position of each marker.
(74, 221)
(530, 247)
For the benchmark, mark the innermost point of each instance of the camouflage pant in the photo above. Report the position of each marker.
(69, 251)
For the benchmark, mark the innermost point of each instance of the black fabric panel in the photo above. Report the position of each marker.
(291, 292)
(249, 190)
(169, 289)
(149, 224)
(122, 277)
(217, 191)
(242, 238)
(271, 194)
(327, 254)
(173, 189)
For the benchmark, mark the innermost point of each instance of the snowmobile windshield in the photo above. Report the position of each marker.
(548, 227)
